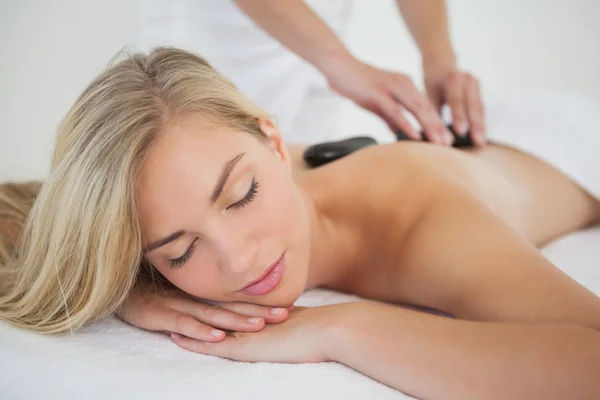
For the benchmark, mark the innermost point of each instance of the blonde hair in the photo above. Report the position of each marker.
(70, 248)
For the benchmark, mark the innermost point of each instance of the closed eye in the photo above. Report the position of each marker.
(248, 198)
(178, 262)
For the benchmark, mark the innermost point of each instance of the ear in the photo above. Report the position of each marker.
(274, 139)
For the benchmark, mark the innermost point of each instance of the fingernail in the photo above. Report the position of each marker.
(462, 129)
(253, 320)
(276, 311)
(216, 332)
(176, 336)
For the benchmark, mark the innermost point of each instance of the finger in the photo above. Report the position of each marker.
(185, 324)
(420, 106)
(218, 317)
(392, 114)
(475, 110)
(271, 315)
(436, 99)
(222, 349)
(455, 95)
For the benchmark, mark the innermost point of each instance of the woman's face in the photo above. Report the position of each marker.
(228, 202)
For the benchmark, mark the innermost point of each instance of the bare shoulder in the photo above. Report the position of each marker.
(381, 191)
(391, 181)
(380, 195)
(518, 188)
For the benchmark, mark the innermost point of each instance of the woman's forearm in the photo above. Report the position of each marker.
(434, 357)
(427, 22)
(298, 27)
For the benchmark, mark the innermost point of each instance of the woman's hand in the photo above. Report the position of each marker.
(446, 84)
(305, 337)
(170, 310)
(385, 93)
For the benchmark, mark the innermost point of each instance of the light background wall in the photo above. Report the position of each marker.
(52, 49)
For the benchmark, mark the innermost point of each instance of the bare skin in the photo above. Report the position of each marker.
(511, 182)
(535, 201)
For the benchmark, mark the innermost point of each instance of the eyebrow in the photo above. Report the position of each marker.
(225, 172)
(218, 190)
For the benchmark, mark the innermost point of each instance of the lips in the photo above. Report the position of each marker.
(269, 279)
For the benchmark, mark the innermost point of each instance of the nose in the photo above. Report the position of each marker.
(238, 254)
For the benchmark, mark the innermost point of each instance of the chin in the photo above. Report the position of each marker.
(287, 294)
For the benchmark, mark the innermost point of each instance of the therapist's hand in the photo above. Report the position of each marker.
(386, 93)
(446, 84)
(169, 310)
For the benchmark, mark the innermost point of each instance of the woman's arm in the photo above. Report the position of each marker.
(433, 357)
(427, 356)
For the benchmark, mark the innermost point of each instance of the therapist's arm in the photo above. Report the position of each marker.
(427, 21)
(296, 26)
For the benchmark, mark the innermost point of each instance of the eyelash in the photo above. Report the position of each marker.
(248, 198)
(178, 262)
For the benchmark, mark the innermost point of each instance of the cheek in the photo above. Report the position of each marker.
(277, 208)
(199, 277)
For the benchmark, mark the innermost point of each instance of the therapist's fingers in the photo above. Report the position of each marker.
(455, 96)
(420, 106)
(437, 99)
(475, 111)
(391, 113)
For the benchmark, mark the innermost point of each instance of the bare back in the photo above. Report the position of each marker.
(529, 195)
(379, 195)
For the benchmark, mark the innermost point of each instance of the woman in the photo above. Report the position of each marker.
(162, 168)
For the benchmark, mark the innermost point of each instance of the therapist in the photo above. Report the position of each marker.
(289, 57)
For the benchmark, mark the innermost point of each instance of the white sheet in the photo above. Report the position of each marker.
(112, 360)
(559, 128)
